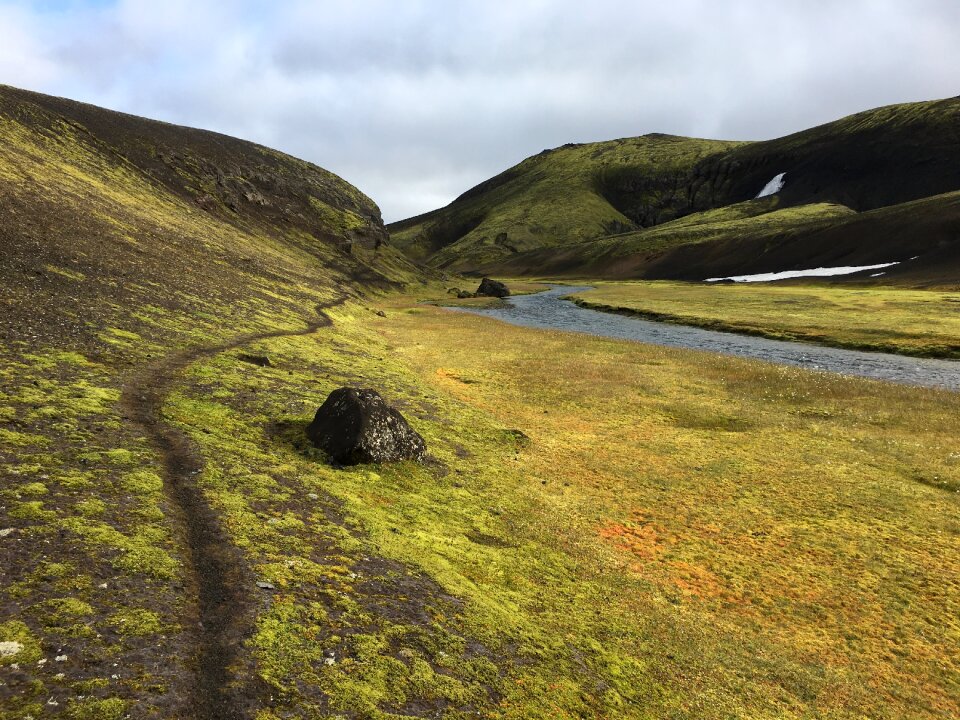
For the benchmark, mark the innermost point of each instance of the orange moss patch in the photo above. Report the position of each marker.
(638, 536)
(695, 580)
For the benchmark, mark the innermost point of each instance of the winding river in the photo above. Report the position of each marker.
(548, 310)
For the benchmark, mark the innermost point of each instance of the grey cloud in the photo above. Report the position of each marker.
(415, 101)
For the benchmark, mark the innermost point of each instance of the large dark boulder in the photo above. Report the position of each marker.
(492, 288)
(356, 426)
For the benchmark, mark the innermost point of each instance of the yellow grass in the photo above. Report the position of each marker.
(913, 322)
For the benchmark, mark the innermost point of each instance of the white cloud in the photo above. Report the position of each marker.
(416, 101)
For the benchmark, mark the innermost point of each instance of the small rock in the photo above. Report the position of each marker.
(381, 313)
(492, 288)
(7, 531)
(60, 658)
(259, 360)
(463, 294)
(356, 426)
(313, 496)
(10, 648)
(264, 585)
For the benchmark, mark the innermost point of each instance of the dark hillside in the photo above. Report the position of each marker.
(233, 179)
(873, 159)
(129, 249)
(923, 235)
(615, 209)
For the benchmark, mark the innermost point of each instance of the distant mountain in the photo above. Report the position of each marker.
(666, 206)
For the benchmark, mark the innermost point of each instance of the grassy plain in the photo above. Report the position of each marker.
(912, 322)
(607, 529)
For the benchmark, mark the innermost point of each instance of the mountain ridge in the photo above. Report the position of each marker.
(867, 161)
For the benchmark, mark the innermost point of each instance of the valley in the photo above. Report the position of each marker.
(601, 528)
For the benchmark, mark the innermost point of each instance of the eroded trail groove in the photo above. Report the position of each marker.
(219, 574)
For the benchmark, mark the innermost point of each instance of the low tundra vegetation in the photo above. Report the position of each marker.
(603, 529)
(888, 319)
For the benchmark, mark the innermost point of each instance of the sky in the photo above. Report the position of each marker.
(415, 101)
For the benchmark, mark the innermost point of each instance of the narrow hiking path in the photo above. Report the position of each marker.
(219, 575)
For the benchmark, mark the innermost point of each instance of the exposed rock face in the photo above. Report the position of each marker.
(356, 426)
(492, 288)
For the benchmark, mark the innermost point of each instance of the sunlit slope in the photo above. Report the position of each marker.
(102, 211)
(875, 159)
(923, 236)
(563, 195)
(122, 241)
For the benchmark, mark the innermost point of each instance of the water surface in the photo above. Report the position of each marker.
(548, 310)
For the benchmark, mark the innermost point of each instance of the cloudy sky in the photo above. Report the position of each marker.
(414, 101)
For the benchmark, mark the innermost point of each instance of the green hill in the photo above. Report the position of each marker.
(602, 529)
(128, 250)
(621, 209)
(569, 194)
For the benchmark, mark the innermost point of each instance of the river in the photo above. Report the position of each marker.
(548, 310)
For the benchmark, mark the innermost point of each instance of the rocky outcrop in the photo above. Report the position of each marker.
(492, 288)
(355, 426)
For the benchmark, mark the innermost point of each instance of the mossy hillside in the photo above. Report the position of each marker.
(234, 180)
(761, 236)
(891, 157)
(602, 566)
(627, 254)
(107, 265)
(745, 220)
(925, 323)
(553, 198)
(877, 158)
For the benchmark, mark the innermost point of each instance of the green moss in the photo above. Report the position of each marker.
(34, 489)
(139, 551)
(94, 709)
(76, 480)
(32, 510)
(136, 622)
(120, 456)
(24, 647)
(93, 507)
(64, 615)
(63, 272)
(22, 439)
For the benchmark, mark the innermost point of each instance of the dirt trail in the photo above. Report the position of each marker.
(220, 577)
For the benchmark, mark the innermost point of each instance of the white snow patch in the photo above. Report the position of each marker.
(772, 187)
(10, 648)
(815, 272)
